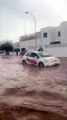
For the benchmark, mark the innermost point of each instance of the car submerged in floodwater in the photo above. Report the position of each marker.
(39, 58)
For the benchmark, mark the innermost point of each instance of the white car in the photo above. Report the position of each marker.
(39, 58)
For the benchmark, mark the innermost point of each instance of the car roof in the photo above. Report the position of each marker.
(35, 51)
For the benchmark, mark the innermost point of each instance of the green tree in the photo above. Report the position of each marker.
(7, 47)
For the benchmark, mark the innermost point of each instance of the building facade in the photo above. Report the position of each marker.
(52, 35)
(30, 41)
(52, 39)
(16, 45)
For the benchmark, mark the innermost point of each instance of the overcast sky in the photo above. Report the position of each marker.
(14, 22)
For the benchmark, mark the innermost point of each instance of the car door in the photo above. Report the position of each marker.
(28, 57)
(32, 58)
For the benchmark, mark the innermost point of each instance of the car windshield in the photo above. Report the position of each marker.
(43, 54)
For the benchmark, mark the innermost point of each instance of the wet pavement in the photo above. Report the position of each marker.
(30, 93)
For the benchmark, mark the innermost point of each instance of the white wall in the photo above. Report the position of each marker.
(27, 43)
(45, 40)
(57, 51)
(53, 34)
(16, 45)
(57, 29)
(63, 28)
(30, 43)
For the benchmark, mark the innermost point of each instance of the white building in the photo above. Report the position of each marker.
(16, 45)
(52, 39)
(54, 34)
(30, 41)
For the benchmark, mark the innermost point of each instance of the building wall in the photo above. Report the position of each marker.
(29, 41)
(57, 51)
(16, 45)
(28, 44)
(45, 40)
(52, 34)
(63, 28)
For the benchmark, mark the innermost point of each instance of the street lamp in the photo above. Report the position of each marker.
(34, 25)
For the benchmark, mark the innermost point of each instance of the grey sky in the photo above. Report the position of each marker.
(14, 22)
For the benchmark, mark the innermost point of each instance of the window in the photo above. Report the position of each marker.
(28, 54)
(43, 54)
(45, 34)
(59, 34)
(34, 55)
(55, 42)
(31, 54)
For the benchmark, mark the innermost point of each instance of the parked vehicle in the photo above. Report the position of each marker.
(40, 59)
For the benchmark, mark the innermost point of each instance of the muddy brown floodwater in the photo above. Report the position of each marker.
(31, 93)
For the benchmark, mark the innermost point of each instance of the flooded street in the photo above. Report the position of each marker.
(31, 93)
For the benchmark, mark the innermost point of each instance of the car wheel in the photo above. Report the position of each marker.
(24, 62)
(41, 65)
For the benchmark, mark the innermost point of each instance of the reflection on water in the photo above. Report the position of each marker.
(31, 93)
